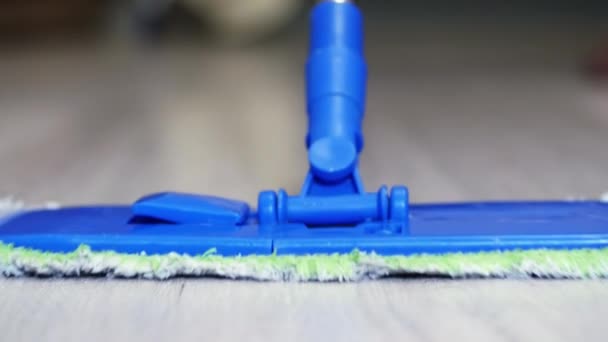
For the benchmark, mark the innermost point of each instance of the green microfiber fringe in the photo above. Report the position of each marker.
(544, 263)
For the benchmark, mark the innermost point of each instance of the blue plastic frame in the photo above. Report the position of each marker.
(433, 228)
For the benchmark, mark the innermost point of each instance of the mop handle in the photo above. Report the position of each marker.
(336, 75)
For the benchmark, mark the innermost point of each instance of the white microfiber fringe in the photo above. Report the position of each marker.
(9, 205)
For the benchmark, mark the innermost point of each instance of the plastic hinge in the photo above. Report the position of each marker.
(339, 210)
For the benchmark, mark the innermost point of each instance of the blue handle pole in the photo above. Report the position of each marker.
(336, 76)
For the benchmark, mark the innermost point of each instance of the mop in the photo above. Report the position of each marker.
(333, 230)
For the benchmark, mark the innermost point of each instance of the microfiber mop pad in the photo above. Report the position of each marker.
(354, 266)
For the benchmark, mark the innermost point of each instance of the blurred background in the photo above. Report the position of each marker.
(103, 101)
